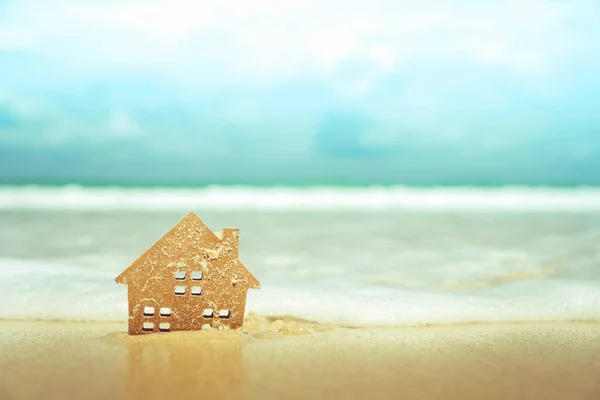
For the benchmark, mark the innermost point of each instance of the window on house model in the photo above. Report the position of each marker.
(180, 290)
(196, 291)
(197, 275)
(147, 326)
(164, 326)
(180, 275)
(165, 312)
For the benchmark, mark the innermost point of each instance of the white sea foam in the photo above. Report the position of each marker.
(506, 199)
(363, 268)
(34, 290)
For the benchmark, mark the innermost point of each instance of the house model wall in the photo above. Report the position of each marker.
(191, 279)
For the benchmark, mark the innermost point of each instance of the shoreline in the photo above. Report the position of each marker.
(286, 358)
(255, 321)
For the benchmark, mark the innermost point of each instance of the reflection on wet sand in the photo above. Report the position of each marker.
(202, 365)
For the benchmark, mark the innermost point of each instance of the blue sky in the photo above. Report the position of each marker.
(433, 91)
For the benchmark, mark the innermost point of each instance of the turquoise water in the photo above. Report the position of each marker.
(291, 183)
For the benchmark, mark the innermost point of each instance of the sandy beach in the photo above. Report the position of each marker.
(294, 359)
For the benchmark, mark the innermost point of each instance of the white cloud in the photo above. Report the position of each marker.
(384, 56)
(189, 46)
(48, 124)
(269, 39)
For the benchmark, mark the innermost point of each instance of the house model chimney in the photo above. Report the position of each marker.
(231, 236)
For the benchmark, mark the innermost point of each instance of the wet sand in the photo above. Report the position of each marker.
(291, 359)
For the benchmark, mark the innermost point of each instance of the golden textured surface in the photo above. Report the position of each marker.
(190, 247)
(97, 361)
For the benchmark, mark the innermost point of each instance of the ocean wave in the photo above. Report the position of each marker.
(43, 291)
(433, 199)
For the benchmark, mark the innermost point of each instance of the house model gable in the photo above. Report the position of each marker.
(190, 279)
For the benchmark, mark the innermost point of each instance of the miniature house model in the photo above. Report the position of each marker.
(191, 279)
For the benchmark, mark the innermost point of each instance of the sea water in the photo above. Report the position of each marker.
(387, 256)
